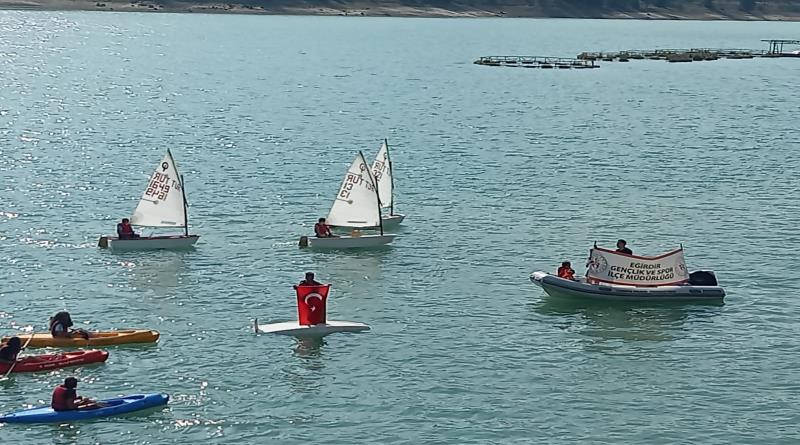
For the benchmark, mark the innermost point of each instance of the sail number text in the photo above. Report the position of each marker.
(160, 185)
(351, 181)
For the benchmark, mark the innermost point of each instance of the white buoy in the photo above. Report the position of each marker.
(311, 316)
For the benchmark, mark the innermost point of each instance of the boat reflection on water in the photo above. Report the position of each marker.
(350, 267)
(309, 348)
(156, 271)
(626, 321)
(304, 374)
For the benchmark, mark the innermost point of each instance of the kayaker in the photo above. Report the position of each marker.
(10, 350)
(622, 247)
(66, 398)
(321, 230)
(60, 325)
(309, 281)
(566, 272)
(125, 230)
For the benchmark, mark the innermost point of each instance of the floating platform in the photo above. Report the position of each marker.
(536, 62)
(675, 55)
(295, 329)
(776, 49)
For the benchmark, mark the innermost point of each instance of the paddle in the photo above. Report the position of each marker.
(11, 368)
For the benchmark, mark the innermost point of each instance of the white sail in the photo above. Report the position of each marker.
(356, 204)
(382, 171)
(162, 203)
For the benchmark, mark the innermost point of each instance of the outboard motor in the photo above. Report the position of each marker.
(702, 278)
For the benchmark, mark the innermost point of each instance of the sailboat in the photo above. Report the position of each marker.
(163, 204)
(382, 172)
(384, 177)
(357, 205)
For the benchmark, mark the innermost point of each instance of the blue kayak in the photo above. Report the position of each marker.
(113, 407)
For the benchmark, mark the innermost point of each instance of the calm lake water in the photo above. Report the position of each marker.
(502, 171)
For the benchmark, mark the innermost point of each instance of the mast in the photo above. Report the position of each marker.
(375, 188)
(185, 211)
(183, 194)
(391, 176)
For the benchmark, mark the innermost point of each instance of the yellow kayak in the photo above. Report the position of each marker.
(102, 338)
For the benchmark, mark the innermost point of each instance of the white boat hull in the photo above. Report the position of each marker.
(390, 221)
(295, 329)
(560, 287)
(174, 242)
(350, 242)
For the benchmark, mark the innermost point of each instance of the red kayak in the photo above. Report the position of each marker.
(55, 361)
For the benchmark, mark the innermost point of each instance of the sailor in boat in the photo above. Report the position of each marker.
(566, 271)
(125, 230)
(622, 247)
(66, 398)
(321, 230)
(10, 350)
(60, 325)
(309, 281)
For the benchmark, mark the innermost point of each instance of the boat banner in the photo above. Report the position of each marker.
(311, 303)
(608, 266)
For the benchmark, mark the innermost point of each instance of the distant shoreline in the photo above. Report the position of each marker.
(356, 9)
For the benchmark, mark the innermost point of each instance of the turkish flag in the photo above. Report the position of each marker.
(311, 303)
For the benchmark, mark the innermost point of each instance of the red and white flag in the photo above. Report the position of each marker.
(311, 303)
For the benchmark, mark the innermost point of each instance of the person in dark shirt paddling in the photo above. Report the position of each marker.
(309, 281)
(622, 247)
(66, 398)
(60, 325)
(10, 350)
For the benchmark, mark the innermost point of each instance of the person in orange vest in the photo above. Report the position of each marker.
(66, 398)
(321, 230)
(125, 230)
(566, 272)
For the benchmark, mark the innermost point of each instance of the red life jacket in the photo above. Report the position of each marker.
(127, 229)
(321, 229)
(566, 273)
(60, 401)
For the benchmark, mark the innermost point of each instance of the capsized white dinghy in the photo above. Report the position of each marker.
(356, 205)
(614, 276)
(382, 171)
(311, 316)
(163, 205)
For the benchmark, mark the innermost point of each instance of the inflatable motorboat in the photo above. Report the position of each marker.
(615, 275)
(706, 289)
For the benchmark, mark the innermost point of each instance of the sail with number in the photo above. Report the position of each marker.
(163, 203)
(356, 204)
(382, 171)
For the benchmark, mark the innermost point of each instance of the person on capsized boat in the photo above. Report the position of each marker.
(321, 230)
(622, 247)
(566, 272)
(125, 230)
(60, 325)
(10, 350)
(66, 398)
(309, 281)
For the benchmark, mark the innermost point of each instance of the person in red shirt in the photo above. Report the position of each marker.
(566, 272)
(66, 398)
(321, 230)
(125, 230)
